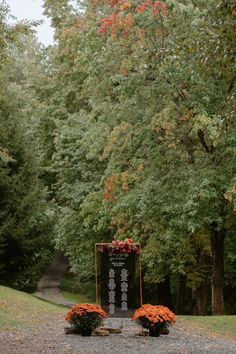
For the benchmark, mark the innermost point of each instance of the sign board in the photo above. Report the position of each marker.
(118, 282)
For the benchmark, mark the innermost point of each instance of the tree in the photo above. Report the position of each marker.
(25, 218)
(147, 107)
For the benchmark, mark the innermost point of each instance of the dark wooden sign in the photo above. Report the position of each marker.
(118, 282)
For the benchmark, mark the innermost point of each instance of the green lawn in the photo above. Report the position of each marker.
(76, 298)
(216, 325)
(20, 309)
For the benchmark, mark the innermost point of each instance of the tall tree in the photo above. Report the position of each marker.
(145, 132)
(25, 220)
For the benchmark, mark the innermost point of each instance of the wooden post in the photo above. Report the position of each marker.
(96, 272)
(140, 279)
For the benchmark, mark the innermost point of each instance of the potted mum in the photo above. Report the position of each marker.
(85, 317)
(154, 318)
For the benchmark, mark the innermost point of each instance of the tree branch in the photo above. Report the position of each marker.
(232, 83)
(201, 136)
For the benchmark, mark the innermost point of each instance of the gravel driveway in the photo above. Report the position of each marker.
(50, 338)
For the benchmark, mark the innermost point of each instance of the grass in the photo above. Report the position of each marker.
(19, 309)
(77, 291)
(216, 325)
(76, 298)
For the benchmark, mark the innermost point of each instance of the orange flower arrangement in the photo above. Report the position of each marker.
(85, 317)
(154, 317)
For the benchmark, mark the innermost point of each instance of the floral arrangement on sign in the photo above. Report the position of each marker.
(85, 317)
(124, 247)
(155, 318)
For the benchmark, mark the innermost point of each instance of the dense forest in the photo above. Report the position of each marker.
(125, 128)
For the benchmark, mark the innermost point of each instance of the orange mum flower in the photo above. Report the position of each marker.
(153, 315)
(83, 309)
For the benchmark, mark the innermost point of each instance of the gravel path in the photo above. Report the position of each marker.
(50, 338)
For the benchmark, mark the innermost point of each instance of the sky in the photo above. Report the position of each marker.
(32, 10)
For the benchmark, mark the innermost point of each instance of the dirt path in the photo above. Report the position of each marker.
(48, 286)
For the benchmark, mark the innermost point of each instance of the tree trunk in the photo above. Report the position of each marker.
(180, 308)
(217, 246)
(164, 293)
(200, 299)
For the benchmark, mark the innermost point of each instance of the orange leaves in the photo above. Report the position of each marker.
(115, 23)
(127, 23)
(108, 23)
(166, 127)
(113, 139)
(125, 6)
(166, 122)
(142, 7)
(140, 167)
(123, 17)
(112, 183)
(156, 7)
(125, 181)
(124, 71)
(159, 5)
(80, 23)
(154, 314)
(121, 224)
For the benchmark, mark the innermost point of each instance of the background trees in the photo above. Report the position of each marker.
(132, 115)
(25, 216)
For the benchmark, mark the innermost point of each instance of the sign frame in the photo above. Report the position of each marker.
(106, 244)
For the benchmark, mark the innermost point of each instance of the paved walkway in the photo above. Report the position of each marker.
(48, 286)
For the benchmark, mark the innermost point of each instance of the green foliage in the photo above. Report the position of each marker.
(73, 288)
(26, 217)
(126, 134)
(144, 135)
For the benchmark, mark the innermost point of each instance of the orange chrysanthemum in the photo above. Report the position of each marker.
(154, 314)
(84, 309)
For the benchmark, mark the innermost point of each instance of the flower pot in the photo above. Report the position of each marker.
(154, 332)
(164, 330)
(86, 332)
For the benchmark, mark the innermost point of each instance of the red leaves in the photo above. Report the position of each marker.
(142, 7)
(107, 23)
(123, 18)
(115, 22)
(159, 5)
(155, 7)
